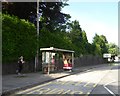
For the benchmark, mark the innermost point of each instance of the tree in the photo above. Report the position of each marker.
(113, 49)
(75, 31)
(49, 11)
(100, 43)
(78, 37)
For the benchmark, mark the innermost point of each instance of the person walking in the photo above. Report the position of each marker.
(20, 65)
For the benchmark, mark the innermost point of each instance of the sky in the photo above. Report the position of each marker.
(95, 18)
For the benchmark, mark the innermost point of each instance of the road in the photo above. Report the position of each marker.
(102, 80)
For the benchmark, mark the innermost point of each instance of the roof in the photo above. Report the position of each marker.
(55, 49)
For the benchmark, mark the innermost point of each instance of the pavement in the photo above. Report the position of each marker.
(12, 83)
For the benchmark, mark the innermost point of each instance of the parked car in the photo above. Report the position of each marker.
(117, 59)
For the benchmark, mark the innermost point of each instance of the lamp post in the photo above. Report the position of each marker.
(37, 52)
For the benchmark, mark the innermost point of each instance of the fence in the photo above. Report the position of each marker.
(29, 66)
(88, 60)
(10, 68)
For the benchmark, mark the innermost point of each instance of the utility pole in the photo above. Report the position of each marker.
(37, 52)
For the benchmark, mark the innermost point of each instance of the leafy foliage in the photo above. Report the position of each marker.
(113, 49)
(49, 11)
(100, 43)
(78, 38)
(19, 38)
(57, 39)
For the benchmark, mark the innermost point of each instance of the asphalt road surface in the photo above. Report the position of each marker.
(103, 80)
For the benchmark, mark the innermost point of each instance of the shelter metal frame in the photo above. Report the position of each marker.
(52, 49)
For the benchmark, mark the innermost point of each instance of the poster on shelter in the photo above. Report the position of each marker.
(47, 57)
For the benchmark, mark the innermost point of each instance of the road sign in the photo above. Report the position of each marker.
(106, 55)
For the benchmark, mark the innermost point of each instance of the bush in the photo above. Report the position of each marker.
(18, 38)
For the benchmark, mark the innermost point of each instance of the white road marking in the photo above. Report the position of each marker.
(109, 89)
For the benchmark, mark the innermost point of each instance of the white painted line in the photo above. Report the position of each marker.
(110, 82)
(109, 89)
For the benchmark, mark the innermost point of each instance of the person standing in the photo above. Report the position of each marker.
(20, 65)
(53, 60)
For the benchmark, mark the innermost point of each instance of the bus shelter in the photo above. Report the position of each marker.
(50, 57)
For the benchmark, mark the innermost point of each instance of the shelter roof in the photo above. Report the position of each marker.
(56, 49)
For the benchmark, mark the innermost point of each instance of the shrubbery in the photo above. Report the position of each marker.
(18, 38)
